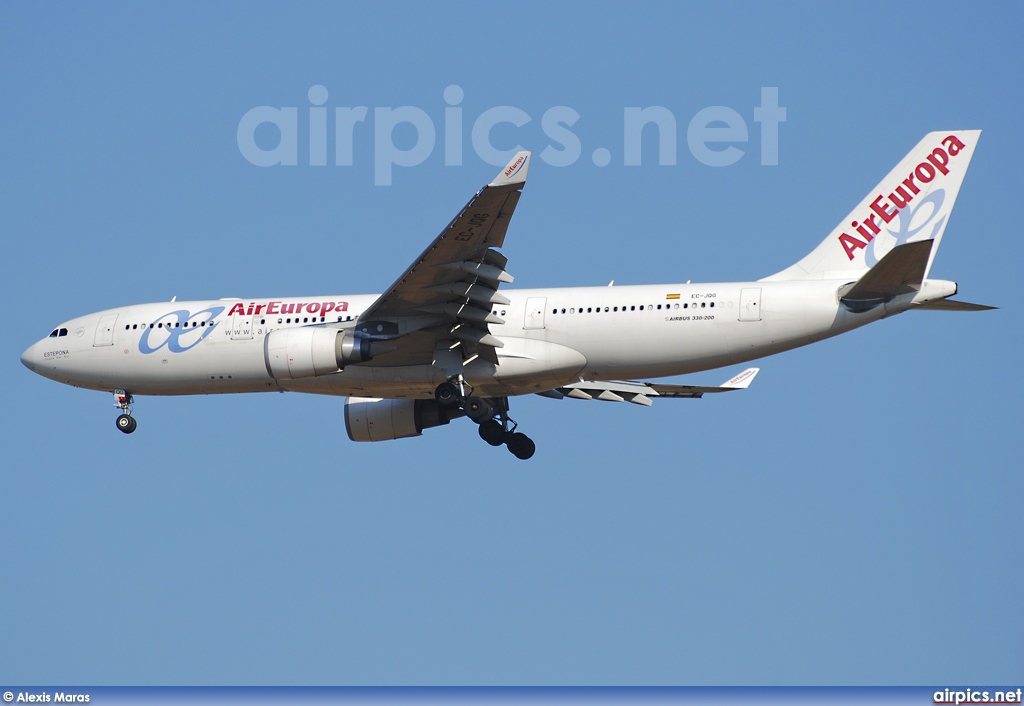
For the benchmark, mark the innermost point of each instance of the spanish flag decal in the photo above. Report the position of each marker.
(671, 296)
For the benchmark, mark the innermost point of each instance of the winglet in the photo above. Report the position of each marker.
(743, 380)
(514, 172)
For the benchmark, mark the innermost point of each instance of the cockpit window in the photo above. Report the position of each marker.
(62, 332)
(58, 332)
(53, 333)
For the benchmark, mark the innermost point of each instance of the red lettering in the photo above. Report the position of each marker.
(864, 233)
(850, 244)
(342, 306)
(953, 145)
(880, 209)
(259, 308)
(249, 312)
(870, 223)
(939, 159)
(888, 208)
(272, 308)
(312, 308)
(326, 308)
(900, 198)
(287, 308)
(237, 309)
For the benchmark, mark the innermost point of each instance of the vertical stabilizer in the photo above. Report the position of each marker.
(911, 204)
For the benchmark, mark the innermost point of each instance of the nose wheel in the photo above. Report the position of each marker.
(125, 421)
(491, 413)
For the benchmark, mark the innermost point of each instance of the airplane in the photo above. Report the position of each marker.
(449, 340)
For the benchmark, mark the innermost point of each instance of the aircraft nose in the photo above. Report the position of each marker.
(28, 358)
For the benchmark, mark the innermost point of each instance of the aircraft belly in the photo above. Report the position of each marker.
(235, 366)
(528, 365)
(399, 381)
(524, 366)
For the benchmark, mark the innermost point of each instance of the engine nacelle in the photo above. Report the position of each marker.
(307, 352)
(375, 419)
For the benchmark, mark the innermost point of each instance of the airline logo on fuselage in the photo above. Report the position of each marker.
(274, 308)
(887, 208)
(179, 331)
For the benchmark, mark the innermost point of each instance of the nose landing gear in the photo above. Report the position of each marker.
(496, 428)
(125, 421)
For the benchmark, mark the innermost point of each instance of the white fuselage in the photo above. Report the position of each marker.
(551, 337)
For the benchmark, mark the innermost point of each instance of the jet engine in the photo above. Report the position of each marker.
(293, 353)
(375, 419)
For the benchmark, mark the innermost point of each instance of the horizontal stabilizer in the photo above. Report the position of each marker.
(954, 305)
(901, 271)
(641, 392)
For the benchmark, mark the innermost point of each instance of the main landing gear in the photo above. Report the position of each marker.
(491, 413)
(125, 421)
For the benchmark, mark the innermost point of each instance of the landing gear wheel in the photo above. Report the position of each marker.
(521, 446)
(446, 393)
(478, 409)
(126, 423)
(491, 432)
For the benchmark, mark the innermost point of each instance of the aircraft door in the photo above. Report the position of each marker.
(750, 304)
(105, 330)
(534, 318)
(241, 327)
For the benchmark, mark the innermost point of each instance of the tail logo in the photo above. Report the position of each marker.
(906, 222)
(888, 208)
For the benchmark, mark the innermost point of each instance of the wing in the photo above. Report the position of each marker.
(642, 392)
(449, 291)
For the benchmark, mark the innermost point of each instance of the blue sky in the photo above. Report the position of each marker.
(853, 518)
